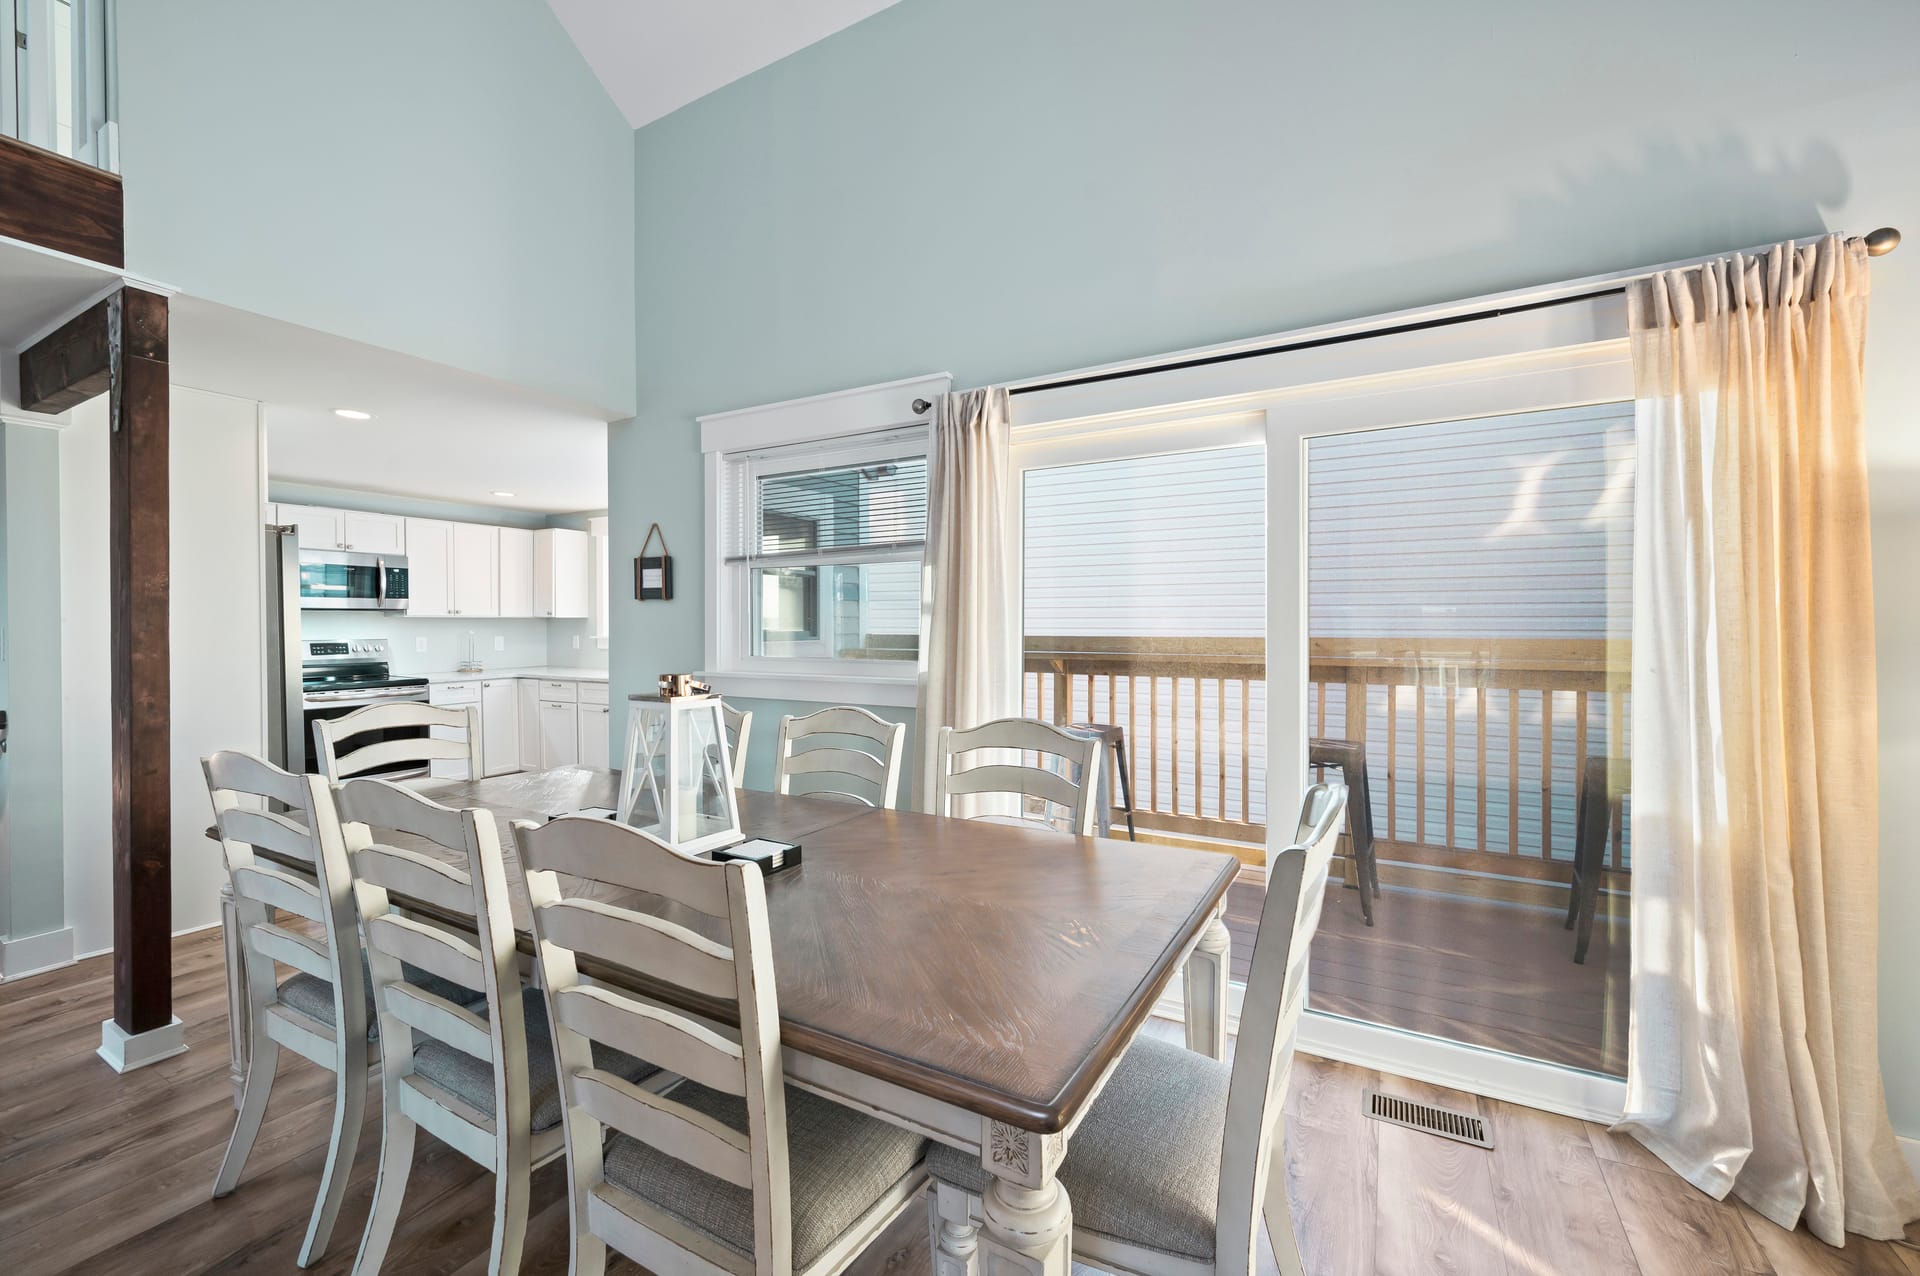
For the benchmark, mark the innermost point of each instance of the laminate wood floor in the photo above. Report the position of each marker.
(1480, 971)
(110, 1175)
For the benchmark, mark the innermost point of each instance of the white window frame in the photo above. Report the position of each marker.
(846, 427)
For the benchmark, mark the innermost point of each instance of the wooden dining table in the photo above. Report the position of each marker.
(974, 981)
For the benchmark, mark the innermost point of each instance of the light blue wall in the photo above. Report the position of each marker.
(999, 188)
(32, 876)
(440, 177)
(765, 734)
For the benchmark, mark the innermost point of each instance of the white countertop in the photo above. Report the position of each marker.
(551, 673)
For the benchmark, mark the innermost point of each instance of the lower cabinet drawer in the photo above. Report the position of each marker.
(593, 693)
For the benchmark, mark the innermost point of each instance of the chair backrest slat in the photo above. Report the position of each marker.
(305, 954)
(1270, 1020)
(451, 735)
(439, 1018)
(827, 749)
(1004, 770)
(431, 949)
(647, 944)
(687, 1135)
(739, 724)
(670, 1042)
(417, 876)
(736, 967)
(281, 890)
(267, 831)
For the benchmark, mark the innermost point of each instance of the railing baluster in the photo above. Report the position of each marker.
(1419, 757)
(1480, 764)
(1246, 752)
(1450, 782)
(1546, 774)
(1513, 770)
(1173, 743)
(1393, 759)
(1153, 737)
(1220, 741)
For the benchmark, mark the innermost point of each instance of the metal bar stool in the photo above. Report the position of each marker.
(1603, 788)
(1115, 739)
(1350, 756)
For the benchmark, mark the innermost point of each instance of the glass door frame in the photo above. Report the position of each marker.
(1567, 354)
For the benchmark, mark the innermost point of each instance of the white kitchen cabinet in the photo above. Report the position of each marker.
(365, 533)
(559, 733)
(516, 571)
(319, 528)
(527, 692)
(562, 571)
(595, 748)
(500, 724)
(452, 569)
(476, 568)
(429, 567)
(458, 695)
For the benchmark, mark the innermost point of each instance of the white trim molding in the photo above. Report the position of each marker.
(35, 954)
(815, 688)
(124, 1051)
(838, 414)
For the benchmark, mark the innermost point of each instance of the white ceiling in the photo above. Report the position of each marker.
(436, 432)
(655, 56)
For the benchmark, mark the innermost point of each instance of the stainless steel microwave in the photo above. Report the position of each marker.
(340, 580)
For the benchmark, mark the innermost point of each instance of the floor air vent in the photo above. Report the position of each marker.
(1419, 1116)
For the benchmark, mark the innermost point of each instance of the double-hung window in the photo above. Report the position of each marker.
(814, 560)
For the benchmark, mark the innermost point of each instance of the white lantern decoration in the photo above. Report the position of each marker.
(677, 780)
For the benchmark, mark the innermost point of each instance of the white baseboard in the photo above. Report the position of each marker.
(124, 1051)
(191, 930)
(35, 954)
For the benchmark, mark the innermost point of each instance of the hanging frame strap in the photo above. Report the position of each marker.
(651, 533)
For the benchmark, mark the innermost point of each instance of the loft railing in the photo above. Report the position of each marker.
(1473, 745)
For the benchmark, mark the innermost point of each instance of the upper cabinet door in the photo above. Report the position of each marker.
(373, 533)
(429, 567)
(516, 571)
(562, 567)
(476, 560)
(319, 528)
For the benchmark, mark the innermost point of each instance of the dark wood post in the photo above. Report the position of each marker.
(119, 347)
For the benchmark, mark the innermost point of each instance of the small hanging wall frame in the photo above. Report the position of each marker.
(653, 576)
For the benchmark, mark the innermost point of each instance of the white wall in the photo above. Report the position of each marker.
(217, 644)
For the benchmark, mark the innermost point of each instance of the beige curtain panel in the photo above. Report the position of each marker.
(969, 628)
(1753, 1059)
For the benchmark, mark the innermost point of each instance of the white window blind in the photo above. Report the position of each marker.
(781, 511)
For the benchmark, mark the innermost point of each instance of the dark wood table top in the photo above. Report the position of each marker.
(997, 967)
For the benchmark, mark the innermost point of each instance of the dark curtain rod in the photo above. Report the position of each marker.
(1314, 343)
(1879, 243)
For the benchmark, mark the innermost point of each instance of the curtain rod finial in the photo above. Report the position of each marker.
(1881, 242)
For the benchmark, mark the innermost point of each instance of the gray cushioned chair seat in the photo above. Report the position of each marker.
(1144, 1166)
(471, 1079)
(314, 997)
(839, 1163)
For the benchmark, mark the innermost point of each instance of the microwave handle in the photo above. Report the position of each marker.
(380, 582)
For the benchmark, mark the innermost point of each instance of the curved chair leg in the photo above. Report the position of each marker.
(263, 1060)
(1278, 1214)
(349, 1113)
(396, 1163)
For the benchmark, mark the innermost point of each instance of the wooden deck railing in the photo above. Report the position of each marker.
(1473, 744)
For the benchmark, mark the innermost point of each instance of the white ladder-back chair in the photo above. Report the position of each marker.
(476, 1075)
(319, 1012)
(822, 755)
(1180, 1156)
(729, 1171)
(1070, 784)
(452, 735)
(739, 729)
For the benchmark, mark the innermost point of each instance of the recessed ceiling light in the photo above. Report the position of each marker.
(503, 493)
(353, 414)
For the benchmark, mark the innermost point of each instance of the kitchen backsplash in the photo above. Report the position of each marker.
(527, 643)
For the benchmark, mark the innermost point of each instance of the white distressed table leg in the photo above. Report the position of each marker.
(1027, 1218)
(1206, 990)
(237, 1014)
(956, 1232)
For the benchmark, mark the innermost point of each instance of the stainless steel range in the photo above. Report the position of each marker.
(338, 677)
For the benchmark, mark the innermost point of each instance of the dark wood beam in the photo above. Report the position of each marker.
(70, 365)
(120, 346)
(142, 718)
(58, 203)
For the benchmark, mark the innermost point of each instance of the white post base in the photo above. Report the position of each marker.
(126, 1051)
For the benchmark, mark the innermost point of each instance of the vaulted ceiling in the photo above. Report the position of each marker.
(655, 56)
